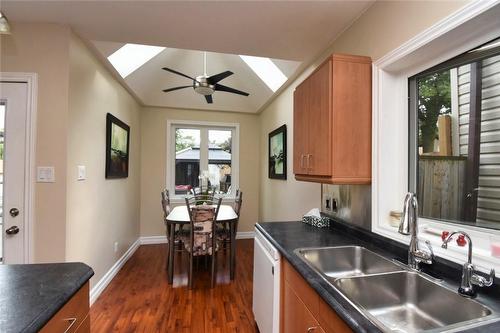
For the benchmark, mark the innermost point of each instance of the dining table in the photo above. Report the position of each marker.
(180, 216)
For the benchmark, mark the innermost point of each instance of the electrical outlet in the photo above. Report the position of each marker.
(116, 247)
(328, 201)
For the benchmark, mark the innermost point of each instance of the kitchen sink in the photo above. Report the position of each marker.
(345, 261)
(408, 302)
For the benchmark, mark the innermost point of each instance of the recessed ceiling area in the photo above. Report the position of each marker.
(289, 33)
(148, 80)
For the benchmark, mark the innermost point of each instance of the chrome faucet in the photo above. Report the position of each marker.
(409, 226)
(469, 278)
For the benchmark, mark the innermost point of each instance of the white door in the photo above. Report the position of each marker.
(13, 156)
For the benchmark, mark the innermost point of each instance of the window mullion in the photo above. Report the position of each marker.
(171, 158)
(203, 149)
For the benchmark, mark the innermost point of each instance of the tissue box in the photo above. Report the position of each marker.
(319, 222)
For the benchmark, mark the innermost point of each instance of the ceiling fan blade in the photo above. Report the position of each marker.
(176, 88)
(221, 87)
(178, 73)
(213, 79)
(209, 99)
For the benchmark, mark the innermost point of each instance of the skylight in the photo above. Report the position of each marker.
(266, 70)
(132, 56)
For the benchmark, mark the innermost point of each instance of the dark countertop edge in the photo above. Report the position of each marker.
(44, 317)
(351, 317)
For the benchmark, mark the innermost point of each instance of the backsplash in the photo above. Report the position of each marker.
(350, 203)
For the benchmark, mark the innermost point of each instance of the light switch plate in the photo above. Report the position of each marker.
(82, 172)
(45, 174)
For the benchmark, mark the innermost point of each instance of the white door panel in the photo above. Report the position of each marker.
(14, 100)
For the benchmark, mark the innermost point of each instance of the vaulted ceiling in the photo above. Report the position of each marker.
(149, 80)
(289, 32)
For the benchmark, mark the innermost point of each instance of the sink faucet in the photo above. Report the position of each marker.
(469, 277)
(408, 226)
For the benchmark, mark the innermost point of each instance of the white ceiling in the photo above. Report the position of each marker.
(291, 30)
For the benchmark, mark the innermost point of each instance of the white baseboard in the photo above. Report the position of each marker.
(98, 288)
(245, 234)
(145, 240)
(149, 240)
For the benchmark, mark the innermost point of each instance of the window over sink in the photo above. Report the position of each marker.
(202, 156)
(455, 138)
(393, 175)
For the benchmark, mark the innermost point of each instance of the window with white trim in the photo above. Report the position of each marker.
(455, 138)
(473, 25)
(202, 156)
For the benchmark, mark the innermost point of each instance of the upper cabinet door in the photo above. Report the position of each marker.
(300, 132)
(352, 119)
(319, 154)
(332, 122)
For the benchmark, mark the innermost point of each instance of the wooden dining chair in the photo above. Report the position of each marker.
(209, 195)
(165, 204)
(224, 230)
(238, 201)
(202, 240)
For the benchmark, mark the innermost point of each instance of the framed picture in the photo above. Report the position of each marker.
(117, 147)
(277, 153)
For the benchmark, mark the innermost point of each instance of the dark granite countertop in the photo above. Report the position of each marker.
(288, 236)
(31, 294)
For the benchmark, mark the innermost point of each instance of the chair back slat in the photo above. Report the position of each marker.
(165, 202)
(238, 201)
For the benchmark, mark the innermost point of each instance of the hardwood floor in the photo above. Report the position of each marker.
(139, 299)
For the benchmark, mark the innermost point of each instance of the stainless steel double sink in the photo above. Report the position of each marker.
(392, 297)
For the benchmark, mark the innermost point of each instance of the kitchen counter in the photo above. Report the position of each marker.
(31, 294)
(288, 236)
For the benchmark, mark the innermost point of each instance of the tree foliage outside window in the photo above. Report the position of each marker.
(434, 99)
(226, 145)
(183, 141)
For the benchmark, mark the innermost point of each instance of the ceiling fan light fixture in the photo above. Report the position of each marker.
(205, 84)
(4, 25)
(202, 87)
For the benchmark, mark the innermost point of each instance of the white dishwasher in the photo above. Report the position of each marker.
(266, 285)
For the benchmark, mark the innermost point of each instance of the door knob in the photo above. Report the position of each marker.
(14, 212)
(12, 230)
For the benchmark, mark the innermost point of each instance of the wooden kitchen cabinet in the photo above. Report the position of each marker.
(73, 316)
(303, 310)
(297, 318)
(332, 122)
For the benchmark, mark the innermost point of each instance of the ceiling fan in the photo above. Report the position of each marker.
(204, 84)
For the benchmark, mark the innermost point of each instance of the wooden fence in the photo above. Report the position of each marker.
(441, 186)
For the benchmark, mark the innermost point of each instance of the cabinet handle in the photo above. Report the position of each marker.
(302, 161)
(71, 321)
(309, 161)
(312, 329)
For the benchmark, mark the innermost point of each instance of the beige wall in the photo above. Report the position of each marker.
(100, 211)
(382, 28)
(283, 200)
(153, 155)
(44, 49)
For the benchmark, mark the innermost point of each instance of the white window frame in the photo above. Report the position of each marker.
(204, 126)
(476, 23)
